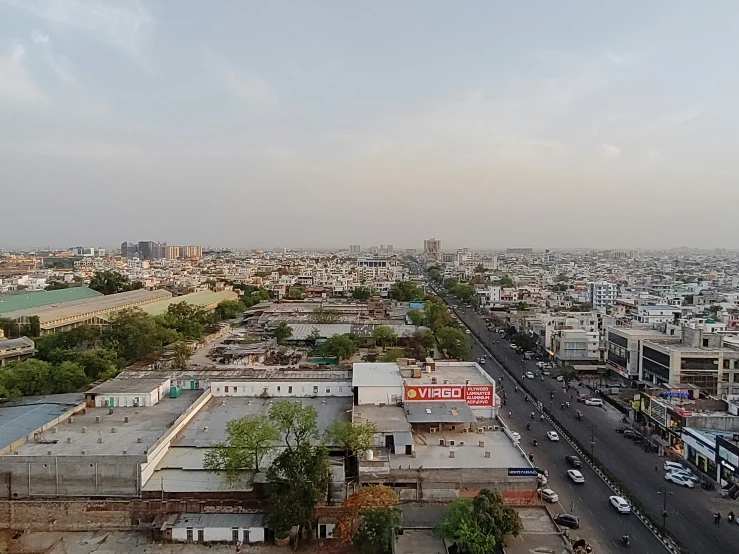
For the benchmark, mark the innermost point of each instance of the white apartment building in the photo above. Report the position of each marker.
(489, 295)
(656, 314)
(601, 294)
(576, 345)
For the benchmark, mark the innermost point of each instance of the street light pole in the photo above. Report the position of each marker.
(592, 441)
(663, 492)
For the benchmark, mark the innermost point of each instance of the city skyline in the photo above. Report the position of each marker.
(587, 126)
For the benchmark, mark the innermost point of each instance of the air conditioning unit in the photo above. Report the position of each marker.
(461, 443)
(481, 430)
(432, 430)
(465, 430)
(451, 443)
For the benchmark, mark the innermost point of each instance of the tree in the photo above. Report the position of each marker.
(688, 299)
(184, 318)
(480, 525)
(436, 314)
(392, 355)
(715, 311)
(435, 274)
(33, 328)
(384, 335)
(406, 291)
(55, 285)
(248, 441)
(68, 377)
(525, 341)
(480, 268)
(416, 317)
(182, 354)
(297, 480)
(296, 422)
(28, 378)
(296, 293)
(326, 315)
(283, 331)
(522, 306)
(134, 335)
(349, 519)
(339, 346)
(464, 292)
(569, 373)
(228, 309)
(506, 281)
(113, 282)
(361, 293)
(454, 342)
(353, 438)
(376, 533)
(99, 362)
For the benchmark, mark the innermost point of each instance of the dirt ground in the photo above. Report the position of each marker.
(116, 542)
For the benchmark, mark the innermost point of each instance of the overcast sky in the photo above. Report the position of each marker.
(261, 124)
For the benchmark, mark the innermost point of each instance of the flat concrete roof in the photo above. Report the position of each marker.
(413, 541)
(376, 375)
(539, 534)
(148, 423)
(22, 418)
(220, 410)
(468, 456)
(457, 373)
(199, 299)
(201, 521)
(439, 412)
(387, 419)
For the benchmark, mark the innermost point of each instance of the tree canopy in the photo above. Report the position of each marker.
(406, 291)
(416, 317)
(362, 293)
(283, 331)
(454, 342)
(384, 335)
(569, 373)
(506, 281)
(339, 346)
(436, 314)
(392, 355)
(353, 438)
(368, 519)
(297, 423)
(113, 282)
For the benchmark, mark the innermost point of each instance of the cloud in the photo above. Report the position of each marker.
(58, 64)
(672, 119)
(39, 38)
(16, 86)
(610, 152)
(120, 23)
(254, 91)
(618, 59)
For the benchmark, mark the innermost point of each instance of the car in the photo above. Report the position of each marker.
(685, 473)
(622, 429)
(567, 520)
(513, 346)
(548, 495)
(673, 466)
(679, 480)
(481, 361)
(560, 378)
(516, 435)
(582, 397)
(552, 436)
(620, 504)
(574, 461)
(542, 479)
(467, 331)
(541, 365)
(546, 372)
(593, 402)
(468, 306)
(575, 475)
(529, 375)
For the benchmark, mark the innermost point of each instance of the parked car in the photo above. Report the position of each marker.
(546, 372)
(575, 475)
(516, 435)
(552, 436)
(593, 402)
(637, 438)
(548, 495)
(673, 466)
(529, 375)
(542, 479)
(481, 361)
(567, 520)
(620, 504)
(622, 429)
(574, 461)
(582, 397)
(541, 365)
(685, 473)
(680, 480)
(629, 433)
(467, 331)
(560, 378)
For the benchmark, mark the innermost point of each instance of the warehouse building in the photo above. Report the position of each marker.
(15, 302)
(205, 300)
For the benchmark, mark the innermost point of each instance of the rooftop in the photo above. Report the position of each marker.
(376, 375)
(387, 419)
(148, 424)
(23, 417)
(12, 302)
(228, 521)
(467, 456)
(457, 373)
(199, 299)
(127, 386)
(243, 373)
(439, 412)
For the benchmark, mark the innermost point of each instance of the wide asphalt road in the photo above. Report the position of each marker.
(600, 524)
(690, 511)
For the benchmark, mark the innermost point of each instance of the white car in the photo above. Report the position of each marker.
(513, 346)
(679, 479)
(673, 466)
(560, 378)
(529, 375)
(467, 331)
(516, 435)
(540, 365)
(552, 436)
(620, 504)
(575, 475)
(548, 495)
(593, 402)
(684, 473)
(542, 479)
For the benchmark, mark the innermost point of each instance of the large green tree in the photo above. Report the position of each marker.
(454, 342)
(353, 438)
(406, 291)
(416, 317)
(113, 282)
(248, 441)
(184, 318)
(436, 314)
(134, 335)
(297, 423)
(361, 293)
(339, 346)
(569, 373)
(283, 331)
(297, 481)
(384, 335)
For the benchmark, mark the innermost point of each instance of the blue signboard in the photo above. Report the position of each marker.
(522, 472)
(681, 394)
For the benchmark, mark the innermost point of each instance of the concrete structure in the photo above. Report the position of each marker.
(214, 528)
(432, 249)
(656, 314)
(520, 251)
(355, 249)
(21, 420)
(377, 383)
(576, 345)
(15, 350)
(623, 346)
(204, 299)
(601, 294)
(124, 393)
(91, 311)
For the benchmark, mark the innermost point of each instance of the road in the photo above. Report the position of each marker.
(690, 512)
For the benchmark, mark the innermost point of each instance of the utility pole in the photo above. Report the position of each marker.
(592, 441)
(663, 492)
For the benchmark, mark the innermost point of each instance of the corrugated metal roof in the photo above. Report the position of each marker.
(13, 302)
(200, 299)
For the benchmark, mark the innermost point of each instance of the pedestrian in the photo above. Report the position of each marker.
(717, 518)
(656, 467)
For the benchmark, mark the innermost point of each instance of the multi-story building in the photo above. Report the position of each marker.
(623, 347)
(171, 252)
(191, 251)
(656, 314)
(601, 294)
(355, 249)
(128, 249)
(432, 249)
(576, 345)
(520, 251)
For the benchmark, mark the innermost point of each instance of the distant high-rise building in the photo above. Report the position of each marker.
(355, 249)
(191, 251)
(171, 252)
(520, 251)
(128, 249)
(389, 248)
(432, 248)
(602, 294)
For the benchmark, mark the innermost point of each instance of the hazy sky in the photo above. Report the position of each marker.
(544, 124)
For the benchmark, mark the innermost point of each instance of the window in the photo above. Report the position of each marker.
(727, 364)
(328, 390)
(236, 389)
(225, 389)
(278, 388)
(315, 389)
(705, 343)
(289, 390)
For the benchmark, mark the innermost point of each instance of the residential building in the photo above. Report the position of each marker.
(432, 249)
(128, 249)
(623, 347)
(15, 350)
(601, 294)
(520, 251)
(171, 252)
(576, 346)
(656, 314)
(355, 249)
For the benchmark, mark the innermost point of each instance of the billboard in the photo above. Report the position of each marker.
(474, 395)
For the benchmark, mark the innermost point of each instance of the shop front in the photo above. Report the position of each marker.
(700, 451)
(727, 459)
(662, 421)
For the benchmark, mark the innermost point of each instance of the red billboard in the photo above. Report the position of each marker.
(474, 395)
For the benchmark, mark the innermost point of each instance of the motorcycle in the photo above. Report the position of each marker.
(531, 458)
(533, 415)
(626, 540)
(536, 442)
(528, 427)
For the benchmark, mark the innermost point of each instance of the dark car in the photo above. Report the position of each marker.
(574, 461)
(567, 520)
(637, 438)
(630, 433)
(621, 429)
